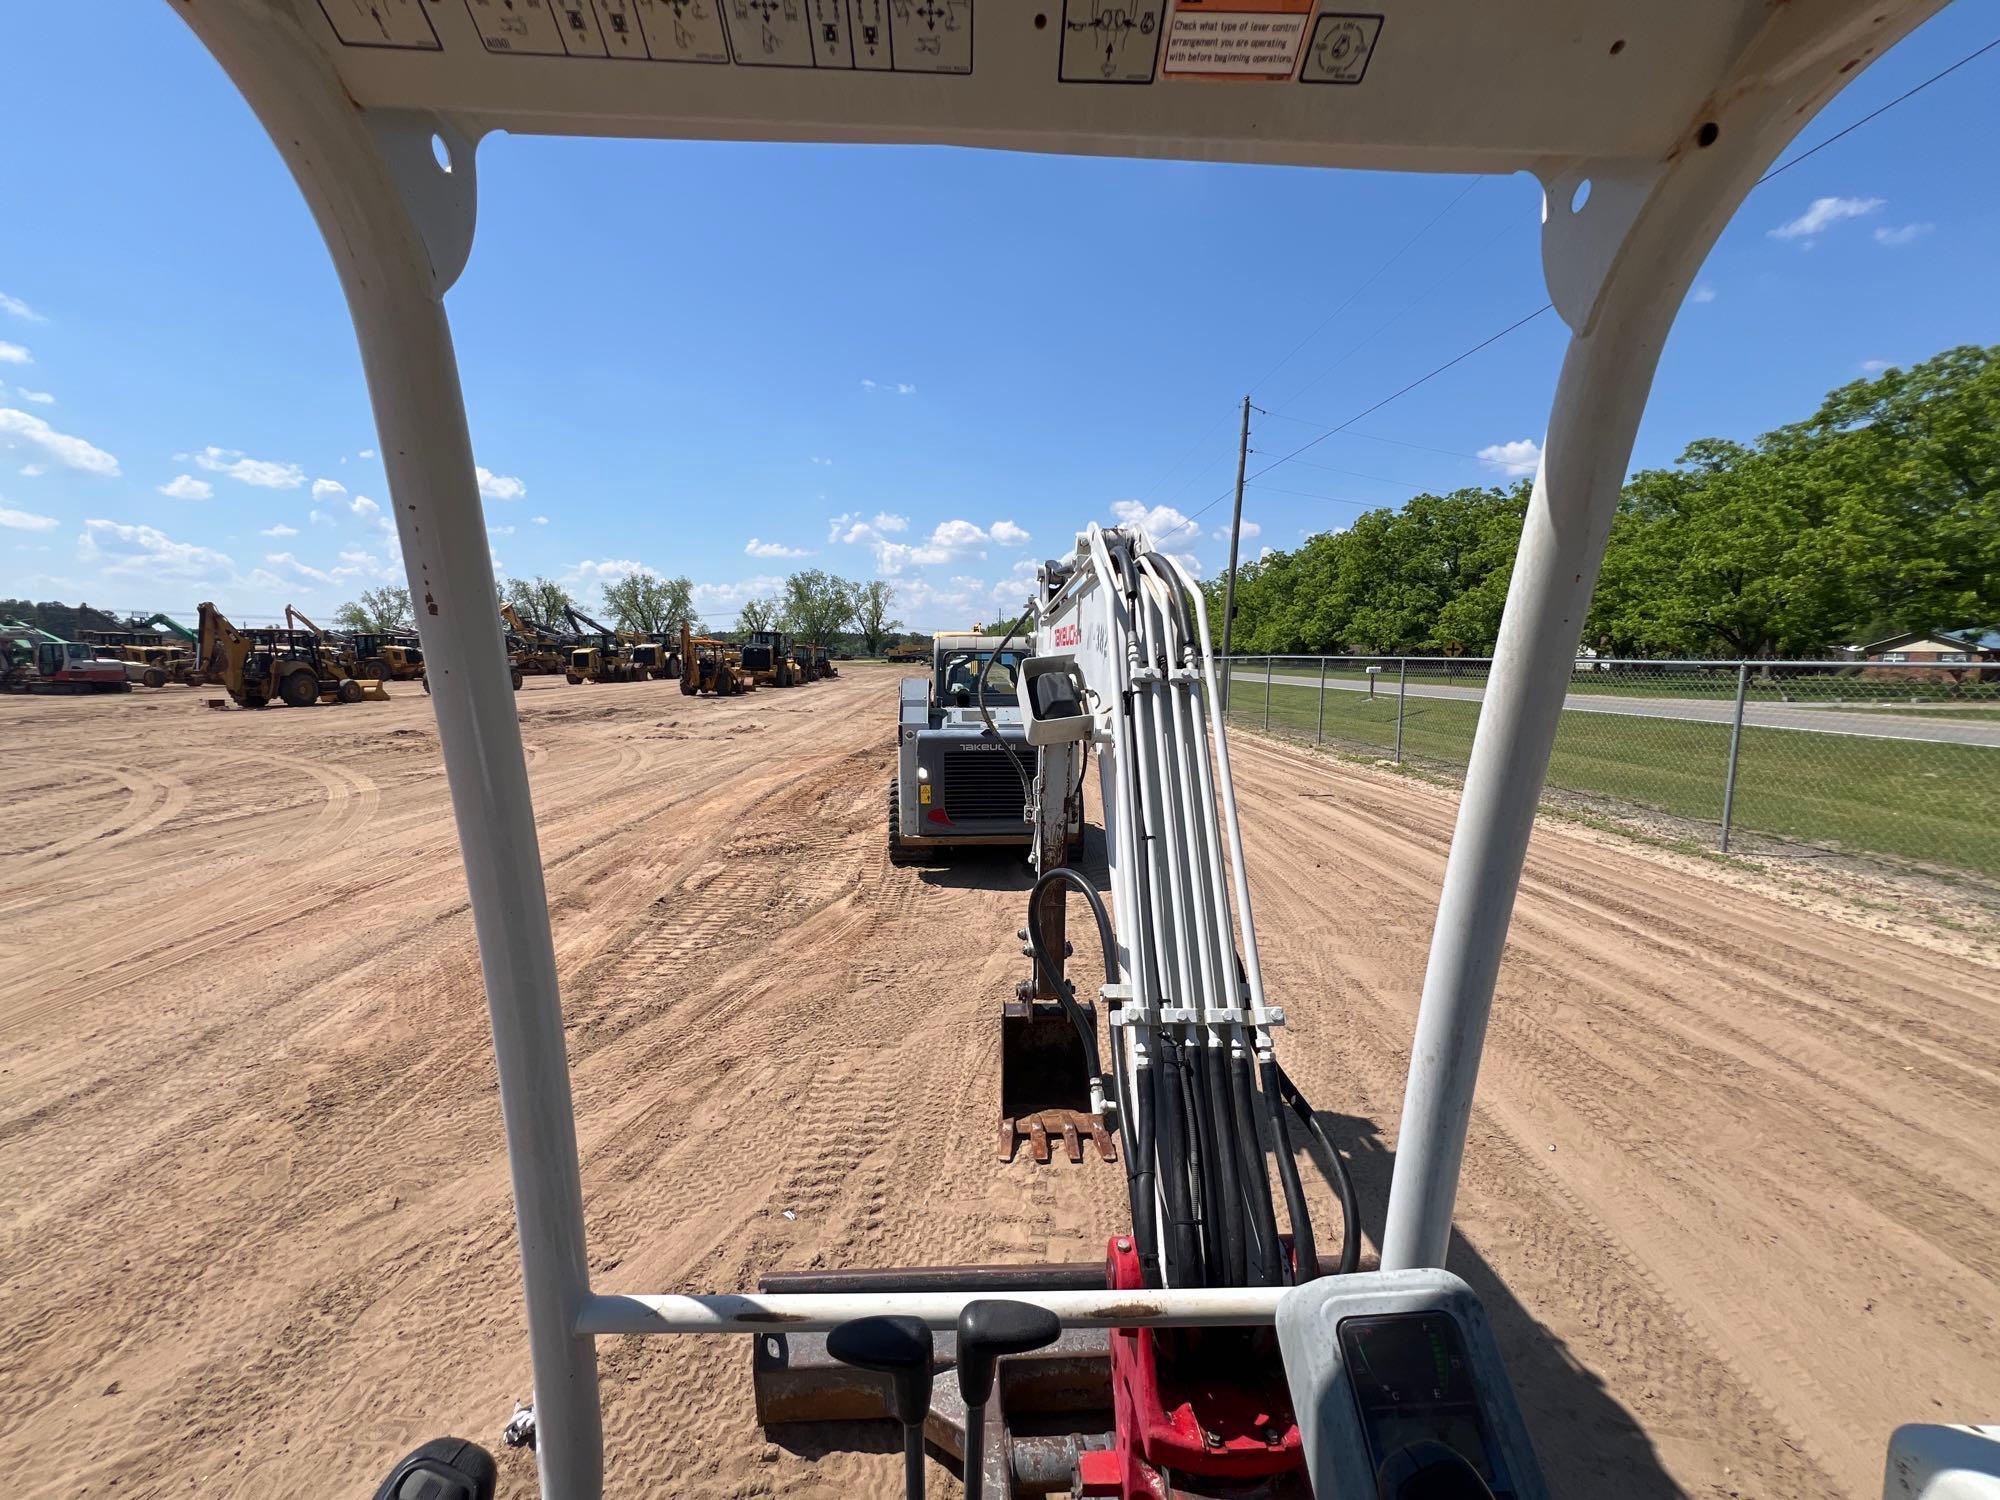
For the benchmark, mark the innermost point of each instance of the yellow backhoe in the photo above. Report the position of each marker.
(293, 666)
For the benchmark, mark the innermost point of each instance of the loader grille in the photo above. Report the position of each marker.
(981, 784)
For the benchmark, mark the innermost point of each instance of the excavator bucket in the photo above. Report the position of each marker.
(373, 689)
(1045, 1084)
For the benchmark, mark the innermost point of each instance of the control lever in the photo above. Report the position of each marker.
(987, 1329)
(446, 1468)
(901, 1349)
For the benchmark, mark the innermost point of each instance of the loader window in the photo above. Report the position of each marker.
(961, 677)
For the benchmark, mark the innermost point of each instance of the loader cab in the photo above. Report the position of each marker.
(958, 674)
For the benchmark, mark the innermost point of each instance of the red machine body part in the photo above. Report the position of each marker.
(1209, 1403)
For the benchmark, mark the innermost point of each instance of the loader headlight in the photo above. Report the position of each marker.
(923, 773)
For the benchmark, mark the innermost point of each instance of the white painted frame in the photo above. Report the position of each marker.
(358, 137)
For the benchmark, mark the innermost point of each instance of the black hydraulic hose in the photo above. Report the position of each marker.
(1305, 1249)
(986, 714)
(1178, 1148)
(1225, 1174)
(1259, 1218)
(1137, 1129)
(1338, 1179)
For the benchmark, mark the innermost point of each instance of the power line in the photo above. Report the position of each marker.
(1784, 166)
(1874, 113)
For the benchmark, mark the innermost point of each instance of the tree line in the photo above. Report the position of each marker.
(1880, 513)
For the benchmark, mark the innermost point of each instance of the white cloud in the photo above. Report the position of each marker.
(364, 508)
(1874, 366)
(281, 529)
(322, 488)
(608, 571)
(319, 518)
(187, 487)
(824, 463)
(1522, 456)
(298, 569)
(948, 542)
(72, 452)
(33, 471)
(1902, 234)
(1822, 215)
(539, 520)
(903, 389)
(1268, 552)
(25, 520)
(14, 307)
(1165, 525)
(1702, 293)
(261, 472)
(900, 387)
(499, 531)
(726, 598)
(756, 548)
(366, 453)
(888, 521)
(1250, 528)
(498, 486)
(1007, 534)
(14, 354)
(146, 553)
(40, 398)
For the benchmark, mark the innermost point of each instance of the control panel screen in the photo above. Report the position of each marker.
(1413, 1382)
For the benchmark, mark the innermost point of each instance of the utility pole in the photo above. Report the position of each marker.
(1235, 532)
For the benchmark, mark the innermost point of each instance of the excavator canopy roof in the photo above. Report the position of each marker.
(1449, 85)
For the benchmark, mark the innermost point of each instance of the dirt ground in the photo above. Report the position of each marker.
(1732, 1191)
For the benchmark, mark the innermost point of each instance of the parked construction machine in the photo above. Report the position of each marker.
(34, 661)
(711, 667)
(149, 659)
(294, 665)
(812, 661)
(959, 780)
(767, 657)
(535, 649)
(1211, 1352)
(386, 655)
(601, 654)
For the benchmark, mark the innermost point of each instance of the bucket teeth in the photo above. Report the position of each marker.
(1040, 1130)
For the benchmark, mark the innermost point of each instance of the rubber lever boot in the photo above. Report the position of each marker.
(445, 1468)
(901, 1349)
(987, 1329)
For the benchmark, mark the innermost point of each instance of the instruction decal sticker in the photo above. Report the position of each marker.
(1340, 48)
(1246, 39)
(381, 23)
(1110, 41)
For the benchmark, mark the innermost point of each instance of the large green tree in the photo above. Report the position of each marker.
(539, 599)
(646, 602)
(1879, 513)
(872, 602)
(756, 614)
(386, 608)
(816, 605)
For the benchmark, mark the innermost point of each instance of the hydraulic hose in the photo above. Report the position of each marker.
(1226, 1211)
(1337, 1178)
(1305, 1249)
(1139, 1154)
(986, 714)
(1263, 1256)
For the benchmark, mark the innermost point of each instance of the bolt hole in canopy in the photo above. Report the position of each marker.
(1668, 112)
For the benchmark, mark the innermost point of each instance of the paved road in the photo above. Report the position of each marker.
(1868, 723)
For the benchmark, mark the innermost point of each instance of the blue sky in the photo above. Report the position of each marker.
(730, 361)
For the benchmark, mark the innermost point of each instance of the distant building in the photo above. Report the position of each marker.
(1931, 651)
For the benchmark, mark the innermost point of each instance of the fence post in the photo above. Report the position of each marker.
(1319, 729)
(1402, 684)
(1267, 694)
(1735, 748)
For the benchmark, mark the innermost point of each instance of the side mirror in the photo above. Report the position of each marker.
(1052, 702)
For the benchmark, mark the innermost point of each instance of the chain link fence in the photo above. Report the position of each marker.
(1896, 761)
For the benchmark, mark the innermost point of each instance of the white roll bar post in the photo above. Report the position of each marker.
(1617, 268)
(399, 227)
